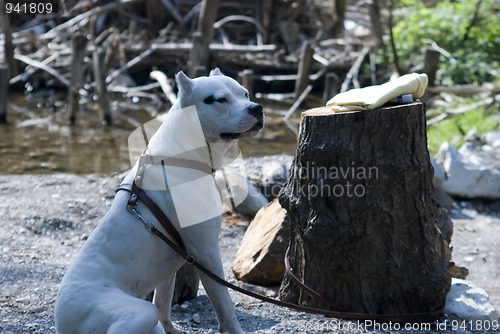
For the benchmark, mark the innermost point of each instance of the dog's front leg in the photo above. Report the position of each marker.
(218, 294)
(163, 301)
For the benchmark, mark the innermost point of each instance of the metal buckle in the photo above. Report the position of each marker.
(147, 224)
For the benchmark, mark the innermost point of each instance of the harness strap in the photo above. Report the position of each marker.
(175, 162)
(156, 210)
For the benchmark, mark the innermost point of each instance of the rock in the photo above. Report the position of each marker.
(269, 173)
(468, 302)
(439, 174)
(492, 139)
(185, 306)
(472, 171)
(39, 309)
(260, 257)
(196, 318)
(24, 300)
(241, 187)
(439, 177)
(261, 178)
(473, 137)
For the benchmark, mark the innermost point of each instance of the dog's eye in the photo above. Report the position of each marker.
(209, 100)
(221, 100)
(247, 95)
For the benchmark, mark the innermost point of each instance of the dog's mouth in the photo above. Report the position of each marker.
(228, 136)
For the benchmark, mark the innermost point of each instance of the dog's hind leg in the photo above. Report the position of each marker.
(133, 315)
(163, 301)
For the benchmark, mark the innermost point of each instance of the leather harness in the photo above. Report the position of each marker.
(176, 243)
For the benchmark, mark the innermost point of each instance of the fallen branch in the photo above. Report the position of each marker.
(132, 90)
(86, 15)
(131, 63)
(185, 47)
(465, 89)
(439, 49)
(170, 7)
(450, 112)
(33, 69)
(44, 67)
(354, 69)
(298, 102)
(230, 18)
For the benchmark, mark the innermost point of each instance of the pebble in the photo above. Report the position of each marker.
(24, 300)
(196, 318)
(39, 309)
(31, 326)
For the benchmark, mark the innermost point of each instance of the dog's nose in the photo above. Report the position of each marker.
(256, 111)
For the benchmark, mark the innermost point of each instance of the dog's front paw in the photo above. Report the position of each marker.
(170, 328)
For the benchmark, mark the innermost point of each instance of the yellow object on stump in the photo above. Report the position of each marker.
(373, 97)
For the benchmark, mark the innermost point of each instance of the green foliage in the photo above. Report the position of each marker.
(453, 129)
(477, 57)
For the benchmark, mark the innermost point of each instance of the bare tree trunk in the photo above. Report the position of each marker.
(200, 53)
(362, 215)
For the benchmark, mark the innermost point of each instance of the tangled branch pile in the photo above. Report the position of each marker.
(137, 36)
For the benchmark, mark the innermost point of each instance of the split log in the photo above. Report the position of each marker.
(362, 214)
(259, 259)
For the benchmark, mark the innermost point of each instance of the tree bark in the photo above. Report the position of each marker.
(362, 215)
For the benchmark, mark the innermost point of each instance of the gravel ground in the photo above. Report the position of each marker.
(46, 218)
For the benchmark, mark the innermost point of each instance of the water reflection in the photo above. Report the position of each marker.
(38, 140)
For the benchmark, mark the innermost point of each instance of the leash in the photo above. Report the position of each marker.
(176, 243)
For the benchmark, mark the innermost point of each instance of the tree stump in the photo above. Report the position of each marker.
(362, 215)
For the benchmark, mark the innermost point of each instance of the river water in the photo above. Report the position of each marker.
(38, 138)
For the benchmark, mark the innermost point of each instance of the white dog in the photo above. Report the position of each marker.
(121, 261)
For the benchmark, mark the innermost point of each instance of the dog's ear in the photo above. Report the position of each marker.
(185, 85)
(215, 72)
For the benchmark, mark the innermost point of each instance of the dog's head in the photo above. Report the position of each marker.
(223, 106)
